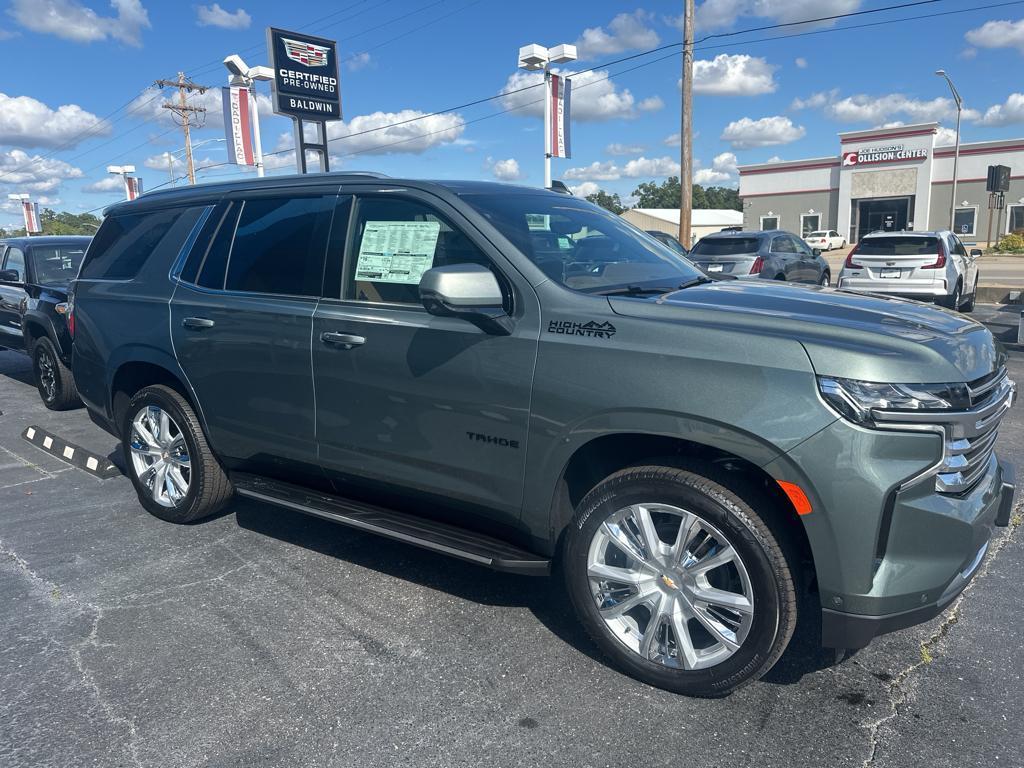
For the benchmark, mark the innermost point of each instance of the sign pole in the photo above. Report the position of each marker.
(257, 141)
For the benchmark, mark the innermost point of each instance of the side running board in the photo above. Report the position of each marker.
(421, 532)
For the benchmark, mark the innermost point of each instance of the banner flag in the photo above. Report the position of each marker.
(132, 187)
(31, 213)
(238, 125)
(561, 88)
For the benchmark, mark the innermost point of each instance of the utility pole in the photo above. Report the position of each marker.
(686, 130)
(184, 113)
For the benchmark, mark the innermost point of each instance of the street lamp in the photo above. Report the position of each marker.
(172, 155)
(244, 76)
(535, 58)
(125, 171)
(956, 154)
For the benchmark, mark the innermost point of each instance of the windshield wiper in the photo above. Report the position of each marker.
(695, 281)
(635, 290)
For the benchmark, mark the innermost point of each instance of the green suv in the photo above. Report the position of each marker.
(520, 379)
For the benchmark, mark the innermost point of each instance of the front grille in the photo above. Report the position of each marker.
(969, 435)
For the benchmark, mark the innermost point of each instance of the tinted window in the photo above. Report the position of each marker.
(201, 243)
(16, 261)
(597, 249)
(56, 264)
(279, 246)
(725, 246)
(963, 221)
(898, 246)
(125, 242)
(394, 243)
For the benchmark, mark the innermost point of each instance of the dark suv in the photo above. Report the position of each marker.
(34, 276)
(521, 379)
(771, 255)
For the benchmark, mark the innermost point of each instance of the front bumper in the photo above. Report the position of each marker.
(840, 629)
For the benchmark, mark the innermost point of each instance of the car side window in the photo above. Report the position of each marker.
(15, 261)
(782, 244)
(125, 242)
(279, 246)
(394, 241)
(959, 247)
(800, 246)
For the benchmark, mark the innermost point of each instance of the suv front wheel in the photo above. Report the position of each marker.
(679, 581)
(174, 472)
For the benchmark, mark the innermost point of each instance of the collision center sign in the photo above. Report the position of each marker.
(305, 83)
(892, 154)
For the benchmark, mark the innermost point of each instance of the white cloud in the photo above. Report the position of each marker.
(358, 61)
(159, 162)
(623, 149)
(998, 34)
(945, 137)
(506, 170)
(627, 32)
(734, 75)
(585, 189)
(774, 159)
(866, 108)
(1008, 113)
(765, 132)
(723, 169)
(149, 106)
(712, 14)
(71, 20)
(641, 167)
(800, 62)
(26, 122)
(215, 16)
(650, 104)
(594, 98)
(673, 140)
(20, 172)
(386, 138)
(106, 184)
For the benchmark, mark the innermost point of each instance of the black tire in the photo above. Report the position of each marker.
(702, 493)
(953, 301)
(208, 486)
(54, 381)
(969, 304)
(826, 280)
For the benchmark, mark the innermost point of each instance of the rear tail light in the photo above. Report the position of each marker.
(940, 262)
(67, 308)
(850, 263)
(757, 266)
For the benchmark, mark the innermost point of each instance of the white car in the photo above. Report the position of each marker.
(933, 266)
(825, 240)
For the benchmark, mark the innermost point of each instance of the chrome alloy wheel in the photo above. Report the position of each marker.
(159, 456)
(669, 586)
(47, 373)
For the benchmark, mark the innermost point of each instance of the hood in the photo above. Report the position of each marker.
(857, 336)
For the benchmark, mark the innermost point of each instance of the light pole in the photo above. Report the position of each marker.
(175, 153)
(956, 153)
(125, 172)
(242, 75)
(535, 58)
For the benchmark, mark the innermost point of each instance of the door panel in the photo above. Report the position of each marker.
(11, 298)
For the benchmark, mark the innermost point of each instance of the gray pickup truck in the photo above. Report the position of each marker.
(520, 379)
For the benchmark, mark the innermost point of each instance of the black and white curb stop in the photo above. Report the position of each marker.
(74, 455)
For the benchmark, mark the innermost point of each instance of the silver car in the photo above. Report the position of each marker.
(933, 266)
(771, 255)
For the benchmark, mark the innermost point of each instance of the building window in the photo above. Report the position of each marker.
(963, 221)
(809, 222)
(1015, 218)
(769, 222)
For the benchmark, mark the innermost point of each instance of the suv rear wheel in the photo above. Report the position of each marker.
(53, 380)
(679, 581)
(174, 472)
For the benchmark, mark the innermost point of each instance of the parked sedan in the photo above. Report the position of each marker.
(825, 240)
(772, 255)
(666, 239)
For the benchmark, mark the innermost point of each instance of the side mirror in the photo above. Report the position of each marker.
(816, 251)
(975, 253)
(10, 276)
(469, 292)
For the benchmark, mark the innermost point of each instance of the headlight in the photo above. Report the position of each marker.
(856, 399)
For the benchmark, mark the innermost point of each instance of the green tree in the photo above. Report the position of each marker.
(669, 193)
(610, 202)
(67, 223)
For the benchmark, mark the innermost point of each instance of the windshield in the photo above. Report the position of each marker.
(725, 246)
(898, 246)
(580, 245)
(57, 264)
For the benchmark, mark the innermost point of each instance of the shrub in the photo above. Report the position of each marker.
(1012, 243)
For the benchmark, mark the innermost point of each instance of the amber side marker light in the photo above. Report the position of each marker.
(799, 499)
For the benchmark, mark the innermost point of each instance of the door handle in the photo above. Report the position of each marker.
(198, 323)
(343, 340)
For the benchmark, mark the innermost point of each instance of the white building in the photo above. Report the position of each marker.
(885, 178)
(703, 221)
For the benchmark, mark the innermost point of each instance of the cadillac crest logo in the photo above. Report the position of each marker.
(307, 54)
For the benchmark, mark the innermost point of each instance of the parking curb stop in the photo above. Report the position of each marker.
(75, 455)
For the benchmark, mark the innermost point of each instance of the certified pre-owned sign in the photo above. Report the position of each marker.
(305, 82)
(892, 154)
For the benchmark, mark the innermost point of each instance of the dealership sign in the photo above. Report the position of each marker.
(892, 154)
(305, 84)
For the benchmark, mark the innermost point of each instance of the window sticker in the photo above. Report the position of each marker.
(397, 251)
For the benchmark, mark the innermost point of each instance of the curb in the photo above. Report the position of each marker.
(76, 456)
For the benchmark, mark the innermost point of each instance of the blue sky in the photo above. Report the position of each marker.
(73, 62)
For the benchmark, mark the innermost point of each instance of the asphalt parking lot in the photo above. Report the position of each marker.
(264, 637)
